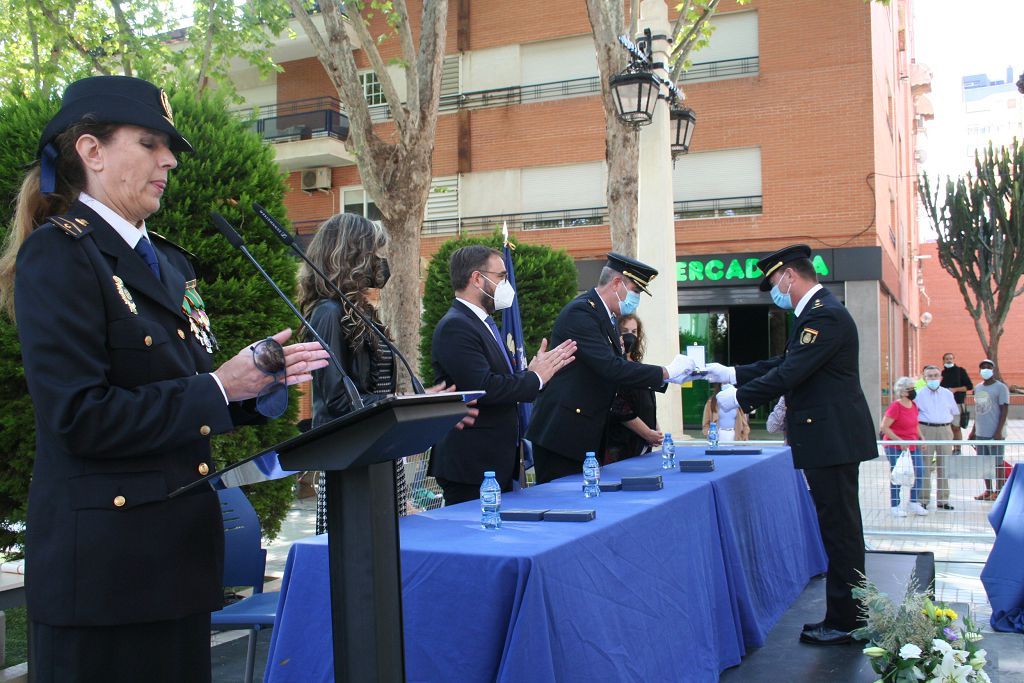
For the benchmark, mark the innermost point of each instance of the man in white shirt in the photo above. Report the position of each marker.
(937, 409)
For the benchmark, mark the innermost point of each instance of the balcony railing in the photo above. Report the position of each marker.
(299, 120)
(324, 116)
(722, 207)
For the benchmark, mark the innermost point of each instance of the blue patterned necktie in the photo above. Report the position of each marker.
(148, 254)
(497, 337)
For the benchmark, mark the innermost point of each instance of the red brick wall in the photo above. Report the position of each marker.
(952, 328)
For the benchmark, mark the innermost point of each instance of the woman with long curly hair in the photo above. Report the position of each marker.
(349, 249)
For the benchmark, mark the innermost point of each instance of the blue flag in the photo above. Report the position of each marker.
(512, 329)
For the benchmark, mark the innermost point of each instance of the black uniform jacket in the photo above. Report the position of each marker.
(124, 413)
(466, 354)
(827, 418)
(569, 417)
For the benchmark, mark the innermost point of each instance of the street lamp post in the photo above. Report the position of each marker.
(644, 95)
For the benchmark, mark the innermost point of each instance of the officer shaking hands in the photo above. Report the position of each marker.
(569, 417)
(828, 424)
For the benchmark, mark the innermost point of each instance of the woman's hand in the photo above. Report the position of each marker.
(241, 378)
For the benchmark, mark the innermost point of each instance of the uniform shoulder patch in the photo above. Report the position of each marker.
(164, 240)
(817, 304)
(592, 305)
(808, 335)
(72, 227)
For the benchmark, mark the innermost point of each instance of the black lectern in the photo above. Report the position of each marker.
(357, 451)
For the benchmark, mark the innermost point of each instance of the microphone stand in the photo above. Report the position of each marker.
(289, 241)
(232, 236)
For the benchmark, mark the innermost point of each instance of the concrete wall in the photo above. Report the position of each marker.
(862, 302)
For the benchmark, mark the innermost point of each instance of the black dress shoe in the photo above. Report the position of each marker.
(824, 635)
(811, 627)
(944, 506)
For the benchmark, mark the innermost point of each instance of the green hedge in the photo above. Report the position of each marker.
(545, 282)
(230, 162)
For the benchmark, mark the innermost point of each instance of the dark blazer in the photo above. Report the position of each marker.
(570, 415)
(124, 409)
(465, 353)
(827, 418)
(330, 400)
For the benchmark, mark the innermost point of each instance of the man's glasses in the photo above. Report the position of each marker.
(268, 357)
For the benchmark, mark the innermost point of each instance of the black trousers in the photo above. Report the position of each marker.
(835, 491)
(165, 651)
(549, 465)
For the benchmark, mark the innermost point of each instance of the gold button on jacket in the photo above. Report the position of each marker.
(204, 469)
(181, 333)
(148, 341)
(578, 411)
(205, 430)
(119, 501)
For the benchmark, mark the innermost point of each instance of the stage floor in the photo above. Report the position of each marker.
(784, 658)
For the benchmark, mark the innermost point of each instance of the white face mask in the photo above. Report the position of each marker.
(503, 293)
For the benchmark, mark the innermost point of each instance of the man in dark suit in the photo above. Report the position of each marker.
(569, 417)
(468, 353)
(828, 424)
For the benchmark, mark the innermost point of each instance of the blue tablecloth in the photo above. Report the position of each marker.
(1002, 576)
(663, 585)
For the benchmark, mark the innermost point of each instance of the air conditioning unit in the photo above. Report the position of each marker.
(920, 156)
(316, 179)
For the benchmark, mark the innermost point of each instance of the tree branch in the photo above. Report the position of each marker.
(682, 53)
(433, 29)
(204, 64)
(634, 18)
(411, 65)
(56, 22)
(369, 46)
(127, 36)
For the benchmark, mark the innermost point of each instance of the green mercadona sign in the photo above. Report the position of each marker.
(732, 269)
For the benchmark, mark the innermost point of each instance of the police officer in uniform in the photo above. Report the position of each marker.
(570, 414)
(828, 424)
(117, 350)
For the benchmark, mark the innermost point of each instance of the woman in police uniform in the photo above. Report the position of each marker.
(120, 579)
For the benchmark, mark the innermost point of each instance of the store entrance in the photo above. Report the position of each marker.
(733, 335)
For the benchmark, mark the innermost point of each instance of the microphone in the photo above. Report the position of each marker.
(289, 241)
(235, 240)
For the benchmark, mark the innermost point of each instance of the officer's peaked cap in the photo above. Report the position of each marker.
(640, 273)
(772, 262)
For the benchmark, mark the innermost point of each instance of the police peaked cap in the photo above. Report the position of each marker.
(115, 99)
(772, 262)
(640, 273)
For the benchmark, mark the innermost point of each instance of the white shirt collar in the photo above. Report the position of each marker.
(480, 313)
(806, 298)
(128, 232)
(606, 309)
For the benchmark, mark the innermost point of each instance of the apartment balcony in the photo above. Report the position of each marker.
(304, 133)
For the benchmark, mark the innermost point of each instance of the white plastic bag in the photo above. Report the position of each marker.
(903, 470)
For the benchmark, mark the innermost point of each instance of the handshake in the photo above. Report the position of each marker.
(683, 369)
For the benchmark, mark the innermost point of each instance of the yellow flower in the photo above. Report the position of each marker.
(950, 613)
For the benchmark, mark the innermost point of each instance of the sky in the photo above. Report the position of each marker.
(957, 38)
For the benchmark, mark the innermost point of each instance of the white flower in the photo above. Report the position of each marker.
(973, 636)
(978, 661)
(950, 671)
(942, 647)
(983, 677)
(910, 651)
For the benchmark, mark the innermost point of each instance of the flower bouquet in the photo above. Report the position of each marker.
(917, 640)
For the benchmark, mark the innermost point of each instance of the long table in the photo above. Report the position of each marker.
(667, 585)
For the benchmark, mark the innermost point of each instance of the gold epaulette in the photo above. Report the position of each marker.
(73, 227)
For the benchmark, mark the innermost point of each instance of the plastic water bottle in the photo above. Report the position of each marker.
(668, 453)
(490, 502)
(591, 476)
(713, 435)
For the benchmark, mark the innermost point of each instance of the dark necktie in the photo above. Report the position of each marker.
(148, 254)
(497, 336)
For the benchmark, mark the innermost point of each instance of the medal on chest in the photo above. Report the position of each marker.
(194, 308)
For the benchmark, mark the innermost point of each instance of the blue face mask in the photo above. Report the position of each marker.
(933, 384)
(630, 303)
(782, 300)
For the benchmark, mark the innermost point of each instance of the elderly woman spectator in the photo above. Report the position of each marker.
(900, 424)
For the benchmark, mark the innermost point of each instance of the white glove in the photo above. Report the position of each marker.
(680, 369)
(723, 374)
(727, 399)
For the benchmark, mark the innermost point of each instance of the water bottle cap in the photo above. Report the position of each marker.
(668, 435)
(488, 474)
(591, 454)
